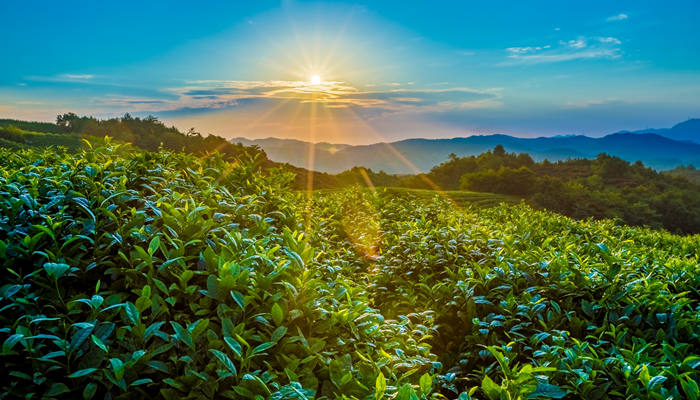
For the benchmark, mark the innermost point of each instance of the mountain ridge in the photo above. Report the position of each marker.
(414, 155)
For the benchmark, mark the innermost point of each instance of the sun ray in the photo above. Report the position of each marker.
(393, 150)
(263, 116)
(310, 162)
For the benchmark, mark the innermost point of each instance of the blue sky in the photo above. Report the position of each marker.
(389, 70)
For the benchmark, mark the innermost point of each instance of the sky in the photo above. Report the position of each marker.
(388, 70)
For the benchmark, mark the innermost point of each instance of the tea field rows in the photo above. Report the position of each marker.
(131, 274)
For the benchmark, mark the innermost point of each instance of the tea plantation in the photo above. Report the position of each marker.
(132, 274)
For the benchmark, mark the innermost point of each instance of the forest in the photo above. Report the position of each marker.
(604, 187)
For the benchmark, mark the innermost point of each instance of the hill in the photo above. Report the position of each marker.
(685, 131)
(689, 172)
(133, 274)
(603, 187)
(419, 155)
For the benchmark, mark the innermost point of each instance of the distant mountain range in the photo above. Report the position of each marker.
(684, 131)
(658, 148)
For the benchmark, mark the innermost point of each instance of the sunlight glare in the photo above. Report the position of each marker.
(315, 80)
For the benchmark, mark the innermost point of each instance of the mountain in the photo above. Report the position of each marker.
(420, 155)
(685, 131)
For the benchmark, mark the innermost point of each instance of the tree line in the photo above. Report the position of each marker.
(604, 187)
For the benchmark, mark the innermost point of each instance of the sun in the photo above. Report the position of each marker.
(315, 80)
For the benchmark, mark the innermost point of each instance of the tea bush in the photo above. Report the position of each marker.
(544, 305)
(131, 274)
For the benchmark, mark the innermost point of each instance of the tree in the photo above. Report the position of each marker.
(499, 150)
(67, 121)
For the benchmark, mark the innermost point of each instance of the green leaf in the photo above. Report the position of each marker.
(379, 386)
(238, 298)
(195, 329)
(153, 245)
(224, 360)
(262, 347)
(117, 368)
(690, 387)
(278, 334)
(656, 381)
(141, 382)
(692, 361)
(132, 313)
(547, 390)
(406, 392)
(98, 342)
(56, 270)
(426, 383)
(89, 391)
(82, 372)
(57, 388)
(644, 375)
(277, 314)
(10, 342)
(181, 334)
(80, 336)
(490, 388)
(235, 346)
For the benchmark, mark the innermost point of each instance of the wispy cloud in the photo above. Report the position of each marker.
(580, 48)
(527, 49)
(609, 39)
(214, 95)
(618, 17)
(77, 76)
(63, 78)
(578, 43)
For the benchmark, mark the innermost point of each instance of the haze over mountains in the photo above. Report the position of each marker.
(658, 148)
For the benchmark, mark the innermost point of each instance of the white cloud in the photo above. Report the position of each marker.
(527, 49)
(609, 39)
(77, 76)
(579, 43)
(556, 57)
(618, 17)
(63, 78)
(580, 48)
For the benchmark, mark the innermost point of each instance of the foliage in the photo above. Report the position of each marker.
(605, 187)
(527, 304)
(158, 274)
(150, 134)
(31, 125)
(690, 172)
(17, 138)
(127, 273)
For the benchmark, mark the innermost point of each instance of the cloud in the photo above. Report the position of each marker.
(581, 48)
(526, 50)
(579, 43)
(77, 76)
(592, 103)
(618, 17)
(609, 39)
(199, 96)
(63, 78)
